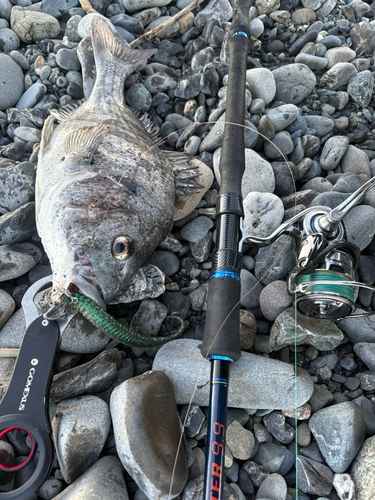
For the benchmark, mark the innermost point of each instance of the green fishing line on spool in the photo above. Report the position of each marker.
(95, 314)
(346, 291)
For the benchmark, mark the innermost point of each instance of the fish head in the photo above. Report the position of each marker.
(102, 251)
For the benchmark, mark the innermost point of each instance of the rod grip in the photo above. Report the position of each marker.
(222, 330)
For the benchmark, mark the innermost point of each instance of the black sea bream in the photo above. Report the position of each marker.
(105, 192)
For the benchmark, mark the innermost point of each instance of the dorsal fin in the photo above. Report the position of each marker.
(63, 113)
(184, 173)
(85, 141)
(151, 127)
(46, 134)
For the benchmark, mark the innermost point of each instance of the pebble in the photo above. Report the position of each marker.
(339, 431)
(223, 13)
(104, 479)
(339, 55)
(313, 477)
(360, 88)
(321, 124)
(294, 82)
(283, 116)
(262, 84)
(197, 229)
(240, 441)
(80, 428)
(90, 378)
(32, 96)
(18, 225)
(155, 415)
(167, 262)
(366, 351)
(275, 261)
(274, 299)
(344, 486)
(182, 362)
(309, 331)
(360, 225)
(363, 38)
(12, 82)
(333, 150)
(264, 213)
(17, 259)
(32, 26)
(339, 75)
(258, 174)
(250, 290)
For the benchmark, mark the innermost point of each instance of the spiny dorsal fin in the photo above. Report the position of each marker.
(64, 112)
(151, 127)
(184, 173)
(46, 134)
(108, 47)
(85, 141)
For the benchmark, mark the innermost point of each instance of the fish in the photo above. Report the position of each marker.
(105, 192)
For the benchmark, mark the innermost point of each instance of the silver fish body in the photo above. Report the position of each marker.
(105, 193)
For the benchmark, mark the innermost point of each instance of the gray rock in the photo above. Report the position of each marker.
(72, 28)
(333, 150)
(280, 430)
(339, 75)
(240, 441)
(360, 225)
(12, 332)
(321, 124)
(273, 487)
(32, 96)
(138, 97)
(283, 116)
(275, 261)
(360, 88)
(368, 412)
(214, 139)
(50, 488)
(294, 82)
(80, 428)
(17, 259)
(274, 299)
(366, 352)
(18, 225)
(56, 9)
(264, 213)
(261, 83)
(329, 199)
(309, 331)
(192, 419)
(258, 174)
(8, 40)
(197, 229)
(105, 479)
(28, 134)
(220, 9)
(311, 61)
(362, 471)
(159, 82)
(167, 262)
(201, 249)
(5, 9)
(356, 162)
(89, 378)
(326, 9)
(280, 147)
(339, 431)
(319, 184)
(147, 320)
(33, 26)
(182, 362)
(339, 55)
(202, 58)
(148, 460)
(313, 477)
(285, 176)
(256, 27)
(12, 82)
(7, 306)
(250, 290)
(312, 4)
(359, 329)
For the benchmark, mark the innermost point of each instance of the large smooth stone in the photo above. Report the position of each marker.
(320, 333)
(147, 433)
(255, 381)
(339, 431)
(105, 479)
(32, 26)
(262, 84)
(80, 429)
(294, 82)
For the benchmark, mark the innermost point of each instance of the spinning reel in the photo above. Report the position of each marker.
(323, 281)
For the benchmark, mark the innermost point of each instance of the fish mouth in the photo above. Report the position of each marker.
(88, 287)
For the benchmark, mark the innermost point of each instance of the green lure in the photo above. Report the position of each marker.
(95, 314)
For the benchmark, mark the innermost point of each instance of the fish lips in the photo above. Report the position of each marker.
(86, 288)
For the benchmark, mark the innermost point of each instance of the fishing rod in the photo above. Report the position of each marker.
(221, 342)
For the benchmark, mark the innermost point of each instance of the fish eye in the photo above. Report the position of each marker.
(122, 247)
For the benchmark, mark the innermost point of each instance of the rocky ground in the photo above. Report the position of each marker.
(115, 424)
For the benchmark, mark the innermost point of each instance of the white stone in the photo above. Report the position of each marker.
(135, 5)
(264, 213)
(258, 175)
(344, 486)
(267, 6)
(262, 84)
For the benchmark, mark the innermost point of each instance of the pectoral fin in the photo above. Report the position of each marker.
(86, 140)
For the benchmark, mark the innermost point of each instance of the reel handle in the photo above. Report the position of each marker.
(24, 404)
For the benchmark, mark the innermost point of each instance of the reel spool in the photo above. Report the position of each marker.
(327, 292)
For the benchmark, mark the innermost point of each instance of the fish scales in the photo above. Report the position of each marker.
(100, 180)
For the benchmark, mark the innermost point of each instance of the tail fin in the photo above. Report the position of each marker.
(113, 59)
